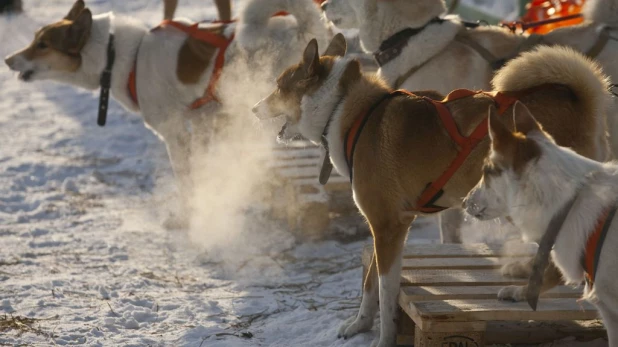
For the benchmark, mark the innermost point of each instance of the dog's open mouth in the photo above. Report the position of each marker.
(25, 75)
(285, 137)
(281, 135)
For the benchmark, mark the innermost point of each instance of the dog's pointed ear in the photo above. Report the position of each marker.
(337, 46)
(523, 119)
(77, 8)
(79, 32)
(311, 57)
(501, 137)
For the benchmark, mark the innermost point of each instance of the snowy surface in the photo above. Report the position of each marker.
(82, 249)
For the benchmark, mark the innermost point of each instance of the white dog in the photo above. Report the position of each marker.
(419, 51)
(161, 73)
(531, 179)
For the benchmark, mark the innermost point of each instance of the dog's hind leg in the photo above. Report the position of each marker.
(363, 321)
(451, 221)
(389, 240)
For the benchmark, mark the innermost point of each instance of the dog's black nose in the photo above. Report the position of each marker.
(324, 5)
(254, 109)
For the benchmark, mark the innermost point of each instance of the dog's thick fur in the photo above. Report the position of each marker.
(530, 178)
(447, 64)
(404, 145)
(172, 70)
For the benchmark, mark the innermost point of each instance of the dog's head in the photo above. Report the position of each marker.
(56, 48)
(514, 162)
(341, 13)
(299, 81)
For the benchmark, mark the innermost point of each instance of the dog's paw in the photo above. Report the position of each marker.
(353, 326)
(517, 269)
(512, 293)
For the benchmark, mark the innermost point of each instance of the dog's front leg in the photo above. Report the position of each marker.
(178, 143)
(389, 240)
(363, 321)
(451, 221)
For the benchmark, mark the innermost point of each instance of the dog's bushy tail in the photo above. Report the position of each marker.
(602, 11)
(257, 14)
(558, 65)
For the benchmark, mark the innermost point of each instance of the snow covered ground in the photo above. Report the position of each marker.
(82, 251)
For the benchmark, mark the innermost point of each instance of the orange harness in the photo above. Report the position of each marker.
(218, 41)
(434, 191)
(592, 252)
(194, 31)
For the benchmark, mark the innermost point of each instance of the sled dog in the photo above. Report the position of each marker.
(392, 143)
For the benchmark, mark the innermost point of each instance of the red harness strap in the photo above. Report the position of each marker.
(131, 84)
(592, 252)
(465, 144)
(218, 41)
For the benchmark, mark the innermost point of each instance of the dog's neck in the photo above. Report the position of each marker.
(127, 38)
(319, 108)
(338, 106)
(551, 182)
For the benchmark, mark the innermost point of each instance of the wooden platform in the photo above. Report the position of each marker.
(308, 205)
(448, 298)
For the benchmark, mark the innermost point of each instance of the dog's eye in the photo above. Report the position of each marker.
(41, 45)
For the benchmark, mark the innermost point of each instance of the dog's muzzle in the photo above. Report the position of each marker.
(12, 63)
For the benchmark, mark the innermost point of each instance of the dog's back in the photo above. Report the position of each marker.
(567, 92)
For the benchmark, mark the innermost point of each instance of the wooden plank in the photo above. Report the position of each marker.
(291, 162)
(445, 327)
(427, 293)
(423, 312)
(334, 179)
(456, 278)
(457, 263)
(469, 250)
(530, 332)
(462, 337)
(533, 332)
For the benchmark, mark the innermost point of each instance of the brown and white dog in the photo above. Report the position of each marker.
(420, 52)
(403, 143)
(528, 177)
(170, 69)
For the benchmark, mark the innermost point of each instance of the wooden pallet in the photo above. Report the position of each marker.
(307, 205)
(448, 299)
